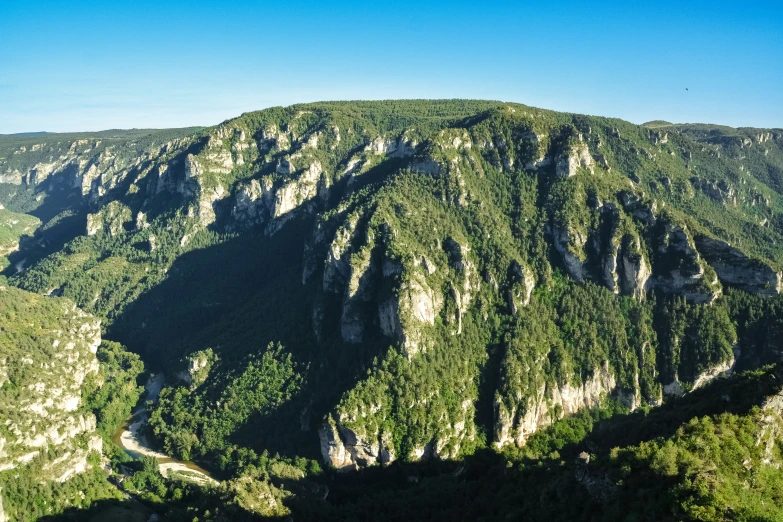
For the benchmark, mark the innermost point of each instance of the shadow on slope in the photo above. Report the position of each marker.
(60, 210)
(546, 483)
(237, 297)
(736, 395)
(134, 511)
(549, 482)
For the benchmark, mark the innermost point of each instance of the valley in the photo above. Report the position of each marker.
(339, 304)
(130, 437)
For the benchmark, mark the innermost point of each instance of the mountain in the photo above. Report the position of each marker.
(379, 284)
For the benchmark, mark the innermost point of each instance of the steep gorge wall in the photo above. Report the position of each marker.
(402, 271)
(47, 351)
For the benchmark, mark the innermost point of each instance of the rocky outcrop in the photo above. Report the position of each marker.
(659, 137)
(337, 263)
(569, 242)
(678, 268)
(610, 255)
(720, 191)
(205, 209)
(198, 366)
(724, 369)
(569, 160)
(111, 219)
(763, 137)
(363, 272)
(395, 148)
(735, 268)
(295, 192)
(606, 245)
(634, 269)
(193, 168)
(407, 315)
(355, 436)
(643, 211)
(252, 201)
(462, 285)
(601, 160)
(522, 282)
(515, 424)
(47, 351)
(345, 449)
(259, 200)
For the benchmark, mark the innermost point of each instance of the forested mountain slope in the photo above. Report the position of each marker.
(50, 440)
(367, 282)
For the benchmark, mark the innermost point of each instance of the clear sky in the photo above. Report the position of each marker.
(67, 66)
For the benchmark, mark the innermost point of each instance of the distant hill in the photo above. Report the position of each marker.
(27, 134)
(657, 123)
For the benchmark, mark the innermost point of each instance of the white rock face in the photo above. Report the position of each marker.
(337, 262)
(397, 148)
(569, 243)
(294, 193)
(192, 168)
(659, 137)
(220, 161)
(406, 316)
(345, 449)
(724, 369)
(353, 437)
(206, 204)
(537, 412)
(253, 200)
(568, 161)
(521, 288)
(606, 245)
(635, 271)
(110, 219)
(710, 374)
(197, 368)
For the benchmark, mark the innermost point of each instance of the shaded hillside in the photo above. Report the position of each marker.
(712, 455)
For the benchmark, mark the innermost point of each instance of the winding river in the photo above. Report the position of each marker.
(130, 437)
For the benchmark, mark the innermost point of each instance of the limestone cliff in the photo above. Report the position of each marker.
(735, 268)
(550, 402)
(679, 269)
(47, 350)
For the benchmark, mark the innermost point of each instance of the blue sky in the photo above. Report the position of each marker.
(67, 66)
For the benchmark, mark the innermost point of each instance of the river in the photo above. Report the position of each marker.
(130, 437)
